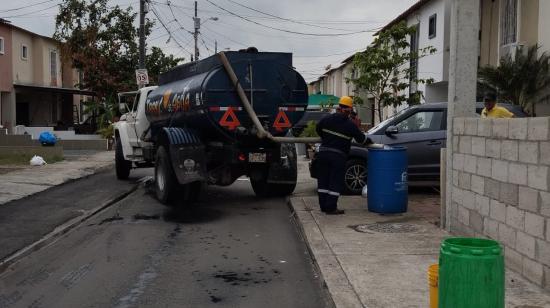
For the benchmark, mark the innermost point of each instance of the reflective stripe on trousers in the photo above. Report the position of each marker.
(326, 191)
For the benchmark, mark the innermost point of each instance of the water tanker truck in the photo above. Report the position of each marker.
(213, 121)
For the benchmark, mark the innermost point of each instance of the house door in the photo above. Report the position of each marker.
(22, 114)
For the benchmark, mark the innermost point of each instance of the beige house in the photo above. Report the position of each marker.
(334, 82)
(43, 92)
(511, 26)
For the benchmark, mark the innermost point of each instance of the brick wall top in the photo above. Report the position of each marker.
(527, 129)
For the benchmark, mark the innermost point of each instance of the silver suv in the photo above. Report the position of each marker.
(423, 130)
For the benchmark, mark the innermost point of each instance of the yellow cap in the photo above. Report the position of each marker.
(346, 101)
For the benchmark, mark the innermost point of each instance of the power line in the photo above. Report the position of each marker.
(173, 33)
(227, 37)
(28, 13)
(26, 6)
(285, 19)
(277, 35)
(330, 55)
(204, 44)
(174, 15)
(315, 21)
(284, 30)
(153, 9)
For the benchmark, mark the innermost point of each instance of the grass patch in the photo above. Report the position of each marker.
(25, 159)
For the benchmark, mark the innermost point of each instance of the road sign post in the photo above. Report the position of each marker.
(142, 78)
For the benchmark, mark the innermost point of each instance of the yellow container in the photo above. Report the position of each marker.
(433, 282)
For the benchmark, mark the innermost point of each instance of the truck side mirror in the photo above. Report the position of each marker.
(122, 107)
(392, 130)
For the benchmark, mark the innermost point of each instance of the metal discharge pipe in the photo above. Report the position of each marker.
(262, 133)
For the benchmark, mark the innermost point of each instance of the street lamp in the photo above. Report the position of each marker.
(211, 18)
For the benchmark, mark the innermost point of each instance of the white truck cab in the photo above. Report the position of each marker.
(131, 132)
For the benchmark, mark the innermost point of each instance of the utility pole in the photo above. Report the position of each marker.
(196, 34)
(142, 12)
(216, 46)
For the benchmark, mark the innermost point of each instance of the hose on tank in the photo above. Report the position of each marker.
(262, 133)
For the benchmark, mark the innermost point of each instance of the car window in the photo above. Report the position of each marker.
(386, 121)
(422, 121)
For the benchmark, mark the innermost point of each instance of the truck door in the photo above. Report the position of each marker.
(131, 122)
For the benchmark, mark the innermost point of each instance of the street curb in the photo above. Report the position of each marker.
(335, 290)
(61, 230)
(317, 269)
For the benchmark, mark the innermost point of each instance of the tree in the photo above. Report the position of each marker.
(158, 63)
(385, 71)
(521, 80)
(102, 43)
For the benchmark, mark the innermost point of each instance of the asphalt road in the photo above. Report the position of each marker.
(231, 250)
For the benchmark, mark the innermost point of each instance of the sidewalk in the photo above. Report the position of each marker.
(45, 209)
(371, 260)
(30, 180)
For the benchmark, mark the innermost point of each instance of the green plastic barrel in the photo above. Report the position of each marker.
(471, 274)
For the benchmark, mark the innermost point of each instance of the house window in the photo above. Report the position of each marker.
(53, 67)
(1, 45)
(24, 52)
(432, 26)
(508, 22)
(413, 62)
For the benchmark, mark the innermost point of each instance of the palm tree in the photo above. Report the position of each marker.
(522, 80)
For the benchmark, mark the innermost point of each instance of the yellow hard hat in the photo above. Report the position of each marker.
(346, 101)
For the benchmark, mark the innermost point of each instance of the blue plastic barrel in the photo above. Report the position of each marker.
(387, 180)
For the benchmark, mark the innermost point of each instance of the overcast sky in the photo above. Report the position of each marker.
(312, 53)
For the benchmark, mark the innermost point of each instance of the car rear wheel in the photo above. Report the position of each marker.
(355, 176)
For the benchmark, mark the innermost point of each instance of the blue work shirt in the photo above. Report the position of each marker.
(337, 131)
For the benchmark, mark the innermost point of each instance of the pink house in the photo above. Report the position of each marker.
(7, 113)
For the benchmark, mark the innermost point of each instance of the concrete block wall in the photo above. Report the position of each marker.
(501, 189)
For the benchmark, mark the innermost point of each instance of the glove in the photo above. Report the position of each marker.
(368, 141)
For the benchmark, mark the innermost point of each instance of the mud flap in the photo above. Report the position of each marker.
(187, 155)
(189, 163)
(286, 170)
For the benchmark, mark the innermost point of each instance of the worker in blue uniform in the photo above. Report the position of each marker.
(337, 132)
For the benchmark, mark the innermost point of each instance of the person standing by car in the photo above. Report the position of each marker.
(491, 109)
(336, 131)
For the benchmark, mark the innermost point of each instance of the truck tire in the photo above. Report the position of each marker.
(260, 187)
(166, 183)
(122, 166)
(264, 189)
(191, 192)
(283, 190)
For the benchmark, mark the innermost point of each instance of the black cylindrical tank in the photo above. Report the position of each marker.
(200, 96)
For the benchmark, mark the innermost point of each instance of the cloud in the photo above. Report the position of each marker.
(235, 33)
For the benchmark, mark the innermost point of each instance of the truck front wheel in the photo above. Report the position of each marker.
(122, 166)
(165, 179)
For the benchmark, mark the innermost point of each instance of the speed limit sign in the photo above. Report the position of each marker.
(142, 78)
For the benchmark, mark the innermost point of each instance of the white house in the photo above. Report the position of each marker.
(432, 20)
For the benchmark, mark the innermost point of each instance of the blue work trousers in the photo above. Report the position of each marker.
(330, 179)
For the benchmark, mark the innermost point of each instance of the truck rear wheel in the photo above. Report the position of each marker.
(166, 183)
(122, 166)
(264, 189)
(260, 187)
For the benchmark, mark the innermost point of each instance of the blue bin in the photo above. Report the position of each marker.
(387, 180)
